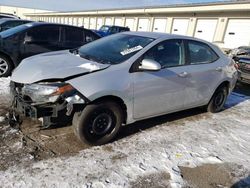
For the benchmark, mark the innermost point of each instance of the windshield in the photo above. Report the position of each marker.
(104, 28)
(13, 30)
(114, 49)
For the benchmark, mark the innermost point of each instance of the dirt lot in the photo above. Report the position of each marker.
(26, 145)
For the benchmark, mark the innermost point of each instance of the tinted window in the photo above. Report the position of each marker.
(45, 33)
(74, 34)
(114, 30)
(90, 36)
(168, 53)
(114, 49)
(200, 53)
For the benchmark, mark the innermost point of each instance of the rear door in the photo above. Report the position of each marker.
(73, 37)
(41, 39)
(203, 73)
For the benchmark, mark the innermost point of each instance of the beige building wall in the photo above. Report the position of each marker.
(20, 11)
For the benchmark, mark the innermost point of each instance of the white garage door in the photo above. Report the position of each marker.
(118, 21)
(86, 23)
(143, 24)
(205, 29)
(180, 26)
(75, 21)
(99, 23)
(70, 21)
(92, 24)
(80, 22)
(108, 21)
(237, 33)
(129, 22)
(160, 25)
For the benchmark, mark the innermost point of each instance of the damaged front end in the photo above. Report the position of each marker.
(55, 102)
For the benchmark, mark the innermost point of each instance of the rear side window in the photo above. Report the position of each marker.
(44, 34)
(200, 53)
(74, 35)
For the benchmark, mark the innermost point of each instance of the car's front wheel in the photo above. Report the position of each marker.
(5, 66)
(98, 123)
(218, 100)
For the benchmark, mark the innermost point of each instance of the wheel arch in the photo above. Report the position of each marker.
(115, 99)
(223, 83)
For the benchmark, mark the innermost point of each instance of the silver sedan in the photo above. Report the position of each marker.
(121, 79)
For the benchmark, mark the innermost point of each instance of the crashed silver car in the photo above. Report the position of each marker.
(121, 79)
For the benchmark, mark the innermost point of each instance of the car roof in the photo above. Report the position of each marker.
(6, 19)
(47, 23)
(158, 35)
(11, 19)
(9, 15)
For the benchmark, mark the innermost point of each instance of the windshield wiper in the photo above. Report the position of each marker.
(91, 58)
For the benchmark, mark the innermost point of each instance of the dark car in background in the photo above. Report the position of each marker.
(7, 23)
(5, 15)
(241, 56)
(38, 37)
(106, 30)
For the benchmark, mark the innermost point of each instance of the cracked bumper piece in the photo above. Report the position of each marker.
(57, 113)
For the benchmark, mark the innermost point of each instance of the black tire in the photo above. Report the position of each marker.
(218, 100)
(6, 66)
(98, 123)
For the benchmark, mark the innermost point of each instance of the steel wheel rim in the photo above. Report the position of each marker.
(102, 124)
(3, 66)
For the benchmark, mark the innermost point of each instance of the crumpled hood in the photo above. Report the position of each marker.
(53, 65)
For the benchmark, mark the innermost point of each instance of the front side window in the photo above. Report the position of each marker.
(114, 49)
(200, 53)
(44, 34)
(168, 53)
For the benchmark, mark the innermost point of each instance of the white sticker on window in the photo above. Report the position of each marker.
(131, 50)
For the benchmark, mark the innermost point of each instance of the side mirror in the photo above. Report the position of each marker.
(149, 64)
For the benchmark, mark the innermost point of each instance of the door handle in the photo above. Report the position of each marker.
(219, 69)
(183, 74)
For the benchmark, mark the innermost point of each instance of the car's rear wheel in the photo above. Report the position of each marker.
(98, 123)
(218, 100)
(5, 66)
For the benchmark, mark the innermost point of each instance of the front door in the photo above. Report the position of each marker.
(163, 91)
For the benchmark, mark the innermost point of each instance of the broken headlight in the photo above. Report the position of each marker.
(47, 93)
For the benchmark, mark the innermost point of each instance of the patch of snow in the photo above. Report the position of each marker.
(191, 141)
(2, 119)
(4, 91)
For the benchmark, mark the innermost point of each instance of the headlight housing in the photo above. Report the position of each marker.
(47, 93)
